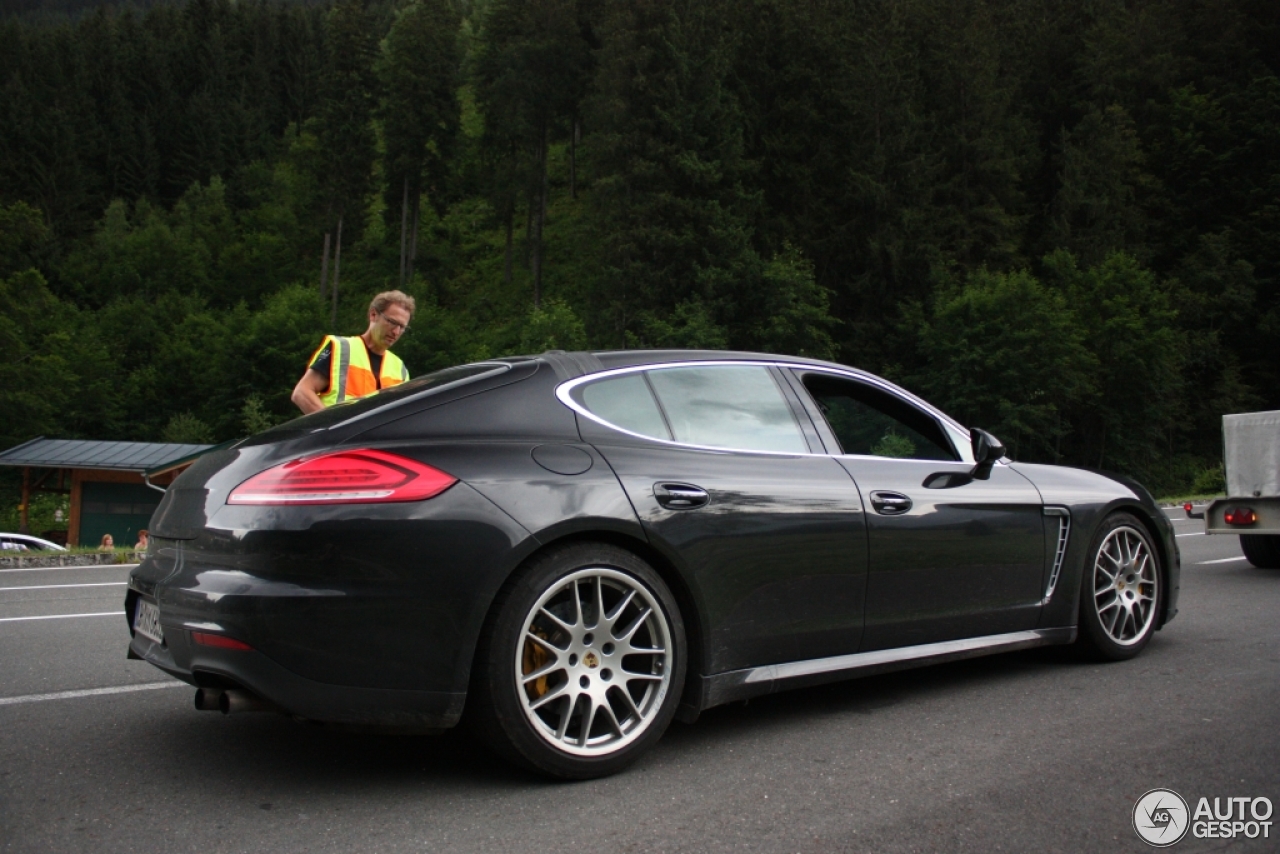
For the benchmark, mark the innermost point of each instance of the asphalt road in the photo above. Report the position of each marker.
(1022, 752)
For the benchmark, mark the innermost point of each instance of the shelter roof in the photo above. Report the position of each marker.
(88, 454)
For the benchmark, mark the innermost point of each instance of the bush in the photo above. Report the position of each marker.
(1210, 481)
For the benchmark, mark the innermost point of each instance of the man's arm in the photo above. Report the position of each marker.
(306, 394)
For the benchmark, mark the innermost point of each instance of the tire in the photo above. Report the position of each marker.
(1121, 592)
(581, 664)
(1261, 550)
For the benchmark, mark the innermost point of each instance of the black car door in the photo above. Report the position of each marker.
(945, 563)
(770, 535)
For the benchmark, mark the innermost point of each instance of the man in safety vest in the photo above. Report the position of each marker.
(347, 368)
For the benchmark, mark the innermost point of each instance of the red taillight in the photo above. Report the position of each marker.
(344, 477)
(1240, 516)
(220, 641)
(1187, 507)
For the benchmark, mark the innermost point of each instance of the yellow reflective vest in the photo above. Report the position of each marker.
(351, 374)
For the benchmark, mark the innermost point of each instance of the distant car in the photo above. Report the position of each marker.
(578, 547)
(26, 542)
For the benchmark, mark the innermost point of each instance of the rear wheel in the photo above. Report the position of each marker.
(1261, 550)
(1121, 591)
(582, 664)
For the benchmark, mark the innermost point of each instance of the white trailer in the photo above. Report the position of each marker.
(1251, 445)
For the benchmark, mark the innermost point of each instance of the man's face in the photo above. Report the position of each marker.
(387, 326)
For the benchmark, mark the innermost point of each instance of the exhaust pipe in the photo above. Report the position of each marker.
(208, 699)
(242, 701)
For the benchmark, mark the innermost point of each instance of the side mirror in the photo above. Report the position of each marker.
(986, 450)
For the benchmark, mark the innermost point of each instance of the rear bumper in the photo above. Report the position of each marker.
(1267, 509)
(306, 698)
(366, 615)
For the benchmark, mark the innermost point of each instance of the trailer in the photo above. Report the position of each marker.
(1251, 510)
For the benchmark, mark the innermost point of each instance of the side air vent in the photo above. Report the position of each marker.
(1063, 516)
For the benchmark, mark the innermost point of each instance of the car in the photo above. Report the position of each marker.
(573, 549)
(26, 542)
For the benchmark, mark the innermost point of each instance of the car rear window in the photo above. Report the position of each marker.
(405, 392)
(737, 407)
(626, 402)
(728, 406)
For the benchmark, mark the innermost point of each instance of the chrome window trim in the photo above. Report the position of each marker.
(564, 392)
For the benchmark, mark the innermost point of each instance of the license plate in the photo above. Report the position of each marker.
(146, 621)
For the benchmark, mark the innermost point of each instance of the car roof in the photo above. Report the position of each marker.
(571, 364)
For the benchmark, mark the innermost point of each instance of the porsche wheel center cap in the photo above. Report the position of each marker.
(591, 660)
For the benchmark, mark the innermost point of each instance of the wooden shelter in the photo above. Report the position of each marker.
(113, 487)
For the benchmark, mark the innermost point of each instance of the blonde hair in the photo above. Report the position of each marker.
(386, 298)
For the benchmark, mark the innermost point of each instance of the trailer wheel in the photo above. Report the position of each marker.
(1262, 550)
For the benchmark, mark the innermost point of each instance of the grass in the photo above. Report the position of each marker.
(1195, 499)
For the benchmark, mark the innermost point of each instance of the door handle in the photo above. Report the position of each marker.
(680, 496)
(890, 503)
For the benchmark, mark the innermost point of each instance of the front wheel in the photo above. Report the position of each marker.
(582, 664)
(1121, 591)
(1261, 550)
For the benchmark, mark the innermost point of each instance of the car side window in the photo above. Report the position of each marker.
(626, 402)
(872, 422)
(727, 406)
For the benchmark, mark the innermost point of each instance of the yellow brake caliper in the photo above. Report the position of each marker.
(534, 657)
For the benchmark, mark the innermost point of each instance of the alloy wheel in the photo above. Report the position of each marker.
(1124, 585)
(594, 663)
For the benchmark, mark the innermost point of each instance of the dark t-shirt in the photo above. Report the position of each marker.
(320, 364)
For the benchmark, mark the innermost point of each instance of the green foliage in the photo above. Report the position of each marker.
(864, 181)
(892, 444)
(48, 512)
(272, 348)
(552, 326)
(1003, 352)
(689, 326)
(22, 230)
(671, 194)
(1129, 325)
(254, 416)
(1098, 207)
(420, 113)
(187, 429)
(36, 378)
(1210, 481)
(793, 310)
(344, 119)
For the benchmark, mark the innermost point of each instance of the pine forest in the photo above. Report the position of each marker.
(1058, 220)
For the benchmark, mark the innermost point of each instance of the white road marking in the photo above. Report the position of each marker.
(91, 692)
(119, 613)
(1196, 534)
(60, 586)
(59, 568)
(1223, 560)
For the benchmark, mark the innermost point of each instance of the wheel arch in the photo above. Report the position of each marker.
(1152, 529)
(690, 613)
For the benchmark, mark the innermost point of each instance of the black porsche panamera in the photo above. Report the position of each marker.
(574, 548)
